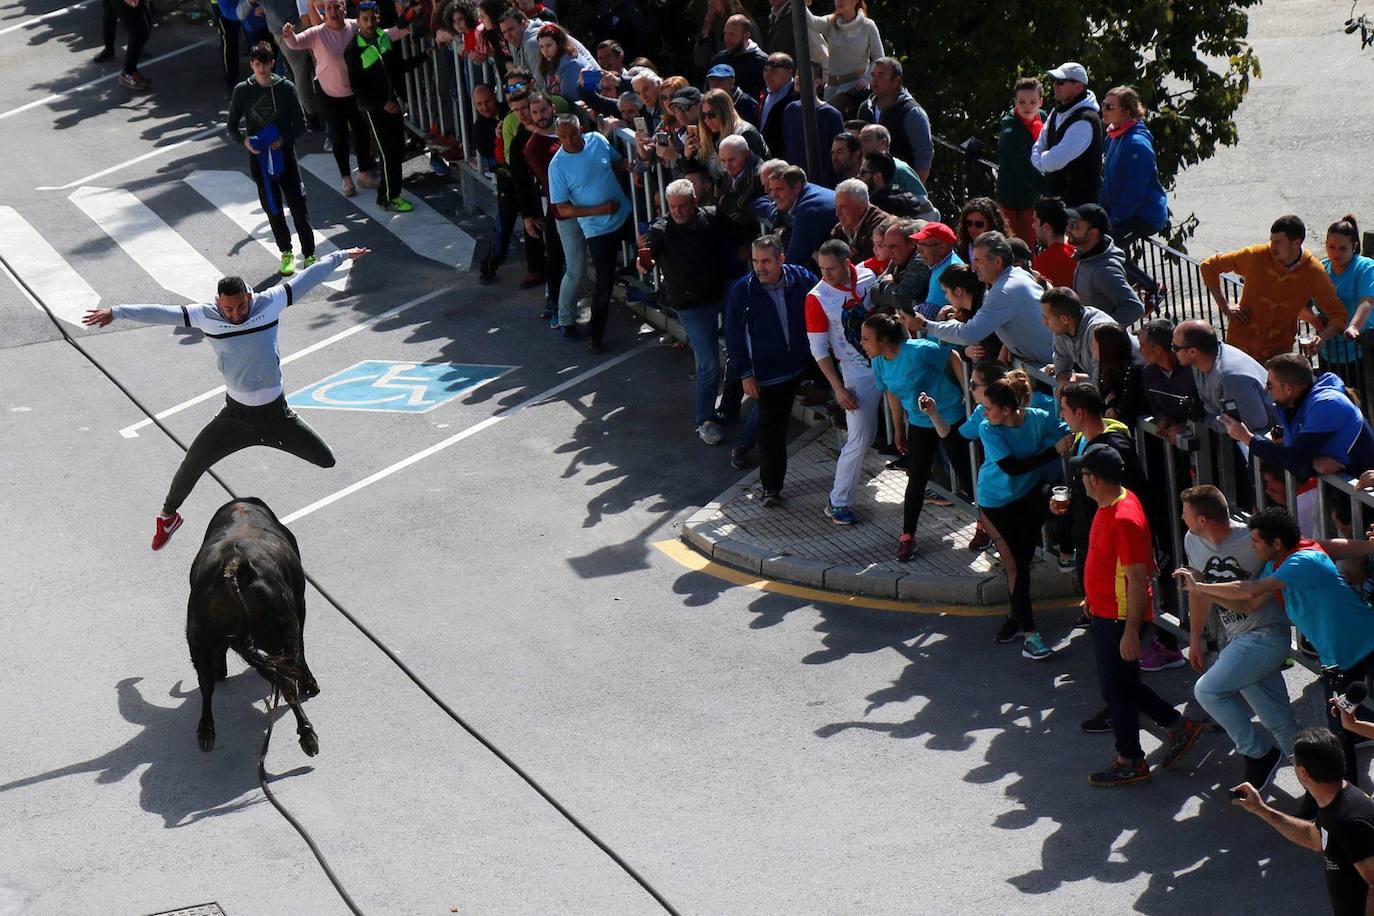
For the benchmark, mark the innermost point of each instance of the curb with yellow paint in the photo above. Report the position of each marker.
(684, 555)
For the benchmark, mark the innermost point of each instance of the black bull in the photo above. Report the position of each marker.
(248, 594)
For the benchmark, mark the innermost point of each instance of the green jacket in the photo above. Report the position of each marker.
(1019, 184)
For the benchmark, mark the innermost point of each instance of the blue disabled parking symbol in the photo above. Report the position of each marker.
(376, 384)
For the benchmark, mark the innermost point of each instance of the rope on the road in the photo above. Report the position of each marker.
(372, 637)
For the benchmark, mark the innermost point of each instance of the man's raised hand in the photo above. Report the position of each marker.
(356, 253)
(97, 318)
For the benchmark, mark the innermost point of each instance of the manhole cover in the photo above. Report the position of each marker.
(200, 909)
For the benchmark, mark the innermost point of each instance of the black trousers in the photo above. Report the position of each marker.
(922, 448)
(1018, 525)
(137, 22)
(603, 250)
(555, 262)
(285, 189)
(389, 136)
(508, 209)
(1126, 694)
(775, 414)
(229, 32)
(346, 125)
(238, 426)
(1334, 681)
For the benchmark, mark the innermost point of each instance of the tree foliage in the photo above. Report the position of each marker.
(1188, 59)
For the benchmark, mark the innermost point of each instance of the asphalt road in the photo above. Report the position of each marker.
(745, 752)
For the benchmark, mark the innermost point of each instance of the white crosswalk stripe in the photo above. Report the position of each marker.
(423, 230)
(46, 271)
(151, 243)
(237, 198)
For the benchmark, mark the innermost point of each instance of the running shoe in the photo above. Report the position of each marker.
(399, 205)
(1034, 648)
(710, 433)
(1181, 740)
(770, 498)
(1122, 772)
(981, 540)
(568, 333)
(1260, 771)
(906, 548)
(309, 261)
(1100, 724)
(935, 499)
(165, 527)
(287, 267)
(1158, 658)
(104, 55)
(739, 458)
(133, 82)
(840, 515)
(1009, 631)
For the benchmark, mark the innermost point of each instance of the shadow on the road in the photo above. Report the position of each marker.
(180, 784)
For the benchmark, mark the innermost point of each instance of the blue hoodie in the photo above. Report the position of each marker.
(754, 335)
(1324, 423)
(1130, 179)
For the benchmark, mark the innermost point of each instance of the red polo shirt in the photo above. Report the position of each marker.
(1120, 537)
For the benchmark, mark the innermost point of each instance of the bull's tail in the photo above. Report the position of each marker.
(281, 671)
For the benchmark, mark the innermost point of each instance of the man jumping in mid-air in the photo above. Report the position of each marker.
(242, 329)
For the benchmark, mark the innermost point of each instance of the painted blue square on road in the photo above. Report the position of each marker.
(376, 384)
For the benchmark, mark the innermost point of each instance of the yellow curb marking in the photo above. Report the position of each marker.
(676, 550)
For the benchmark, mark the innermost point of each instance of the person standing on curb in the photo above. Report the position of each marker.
(242, 329)
(376, 71)
(765, 337)
(835, 311)
(271, 110)
(1117, 583)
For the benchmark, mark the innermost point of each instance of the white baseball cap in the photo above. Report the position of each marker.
(1070, 71)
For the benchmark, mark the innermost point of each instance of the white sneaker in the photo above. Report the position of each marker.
(710, 433)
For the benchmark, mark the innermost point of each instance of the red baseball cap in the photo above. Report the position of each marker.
(936, 231)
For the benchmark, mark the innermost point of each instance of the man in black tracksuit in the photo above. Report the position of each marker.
(376, 71)
(273, 121)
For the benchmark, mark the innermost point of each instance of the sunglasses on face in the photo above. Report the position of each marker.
(515, 87)
(708, 113)
(1058, 82)
(1179, 347)
(975, 224)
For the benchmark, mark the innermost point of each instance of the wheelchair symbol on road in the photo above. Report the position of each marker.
(375, 384)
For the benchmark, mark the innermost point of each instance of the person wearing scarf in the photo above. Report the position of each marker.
(1020, 184)
(1131, 193)
(271, 111)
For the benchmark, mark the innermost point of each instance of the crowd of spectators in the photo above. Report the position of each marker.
(846, 285)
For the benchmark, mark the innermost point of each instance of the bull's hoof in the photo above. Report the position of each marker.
(206, 739)
(309, 689)
(309, 743)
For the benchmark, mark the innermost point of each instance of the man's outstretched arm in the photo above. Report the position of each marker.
(318, 272)
(143, 314)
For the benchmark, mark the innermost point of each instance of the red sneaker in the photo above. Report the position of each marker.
(980, 540)
(165, 528)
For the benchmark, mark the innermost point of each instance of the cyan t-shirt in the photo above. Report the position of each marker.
(936, 294)
(1321, 603)
(586, 179)
(1356, 282)
(1050, 471)
(920, 366)
(1040, 430)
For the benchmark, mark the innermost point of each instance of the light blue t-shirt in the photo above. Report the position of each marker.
(1321, 603)
(935, 296)
(920, 366)
(586, 179)
(1040, 430)
(1050, 471)
(1354, 283)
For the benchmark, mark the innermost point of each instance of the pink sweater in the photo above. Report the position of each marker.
(327, 45)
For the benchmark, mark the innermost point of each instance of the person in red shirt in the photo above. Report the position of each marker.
(1117, 585)
(882, 253)
(1055, 260)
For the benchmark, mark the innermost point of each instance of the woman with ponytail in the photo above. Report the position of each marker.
(1353, 276)
(1018, 441)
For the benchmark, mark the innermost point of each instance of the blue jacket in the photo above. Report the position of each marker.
(829, 125)
(1130, 179)
(753, 334)
(809, 222)
(1325, 423)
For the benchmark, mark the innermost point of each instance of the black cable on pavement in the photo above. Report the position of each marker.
(372, 637)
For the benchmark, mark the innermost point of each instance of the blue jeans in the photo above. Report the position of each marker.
(701, 324)
(1250, 667)
(574, 269)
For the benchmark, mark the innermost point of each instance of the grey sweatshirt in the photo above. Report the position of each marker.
(1075, 351)
(1236, 375)
(1011, 309)
(246, 354)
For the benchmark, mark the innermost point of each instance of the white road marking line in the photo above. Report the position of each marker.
(464, 434)
(158, 151)
(97, 81)
(131, 432)
(151, 243)
(46, 16)
(51, 277)
(236, 196)
(423, 230)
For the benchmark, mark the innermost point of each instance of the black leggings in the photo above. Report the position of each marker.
(1015, 528)
(346, 124)
(922, 447)
(239, 426)
(286, 189)
(389, 134)
(603, 250)
(137, 23)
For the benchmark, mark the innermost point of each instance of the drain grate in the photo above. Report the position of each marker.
(200, 909)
